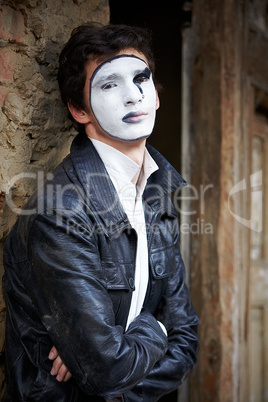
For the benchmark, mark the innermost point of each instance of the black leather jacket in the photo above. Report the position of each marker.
(69, 276)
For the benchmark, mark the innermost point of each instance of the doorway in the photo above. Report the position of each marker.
(165, 23)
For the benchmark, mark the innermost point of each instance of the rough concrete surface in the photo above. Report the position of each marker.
(35, 132)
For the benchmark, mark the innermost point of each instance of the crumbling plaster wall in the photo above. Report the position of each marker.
(35, 133)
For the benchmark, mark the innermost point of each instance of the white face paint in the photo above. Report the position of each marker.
(123, 98)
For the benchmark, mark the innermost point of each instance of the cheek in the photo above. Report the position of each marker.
(99, 106)
(96, 99)
(104, 108)
(150, 97)
(104, 102)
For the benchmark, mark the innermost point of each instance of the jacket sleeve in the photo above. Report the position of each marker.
(178, 315)
(67, 287)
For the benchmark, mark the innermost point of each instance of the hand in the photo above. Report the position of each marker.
(59, 369)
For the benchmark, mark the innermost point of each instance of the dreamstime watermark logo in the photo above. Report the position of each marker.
(255, 186)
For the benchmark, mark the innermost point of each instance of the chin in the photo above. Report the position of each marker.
(130, 139)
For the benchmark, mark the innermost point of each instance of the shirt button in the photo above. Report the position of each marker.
(131, 283)
(159, 269)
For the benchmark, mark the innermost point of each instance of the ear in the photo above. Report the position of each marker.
(157, 100)
(78, 114)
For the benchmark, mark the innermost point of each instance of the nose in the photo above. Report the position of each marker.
(132, 94)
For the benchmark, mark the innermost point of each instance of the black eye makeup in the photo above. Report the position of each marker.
(143, 76)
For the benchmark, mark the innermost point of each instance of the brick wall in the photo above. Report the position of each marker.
(35, 133)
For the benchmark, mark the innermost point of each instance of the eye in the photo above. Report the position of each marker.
(108, 85)
(140, 78)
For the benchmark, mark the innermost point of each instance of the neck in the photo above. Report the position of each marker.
(133, 149)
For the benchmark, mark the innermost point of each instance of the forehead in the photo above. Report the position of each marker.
(119, 65)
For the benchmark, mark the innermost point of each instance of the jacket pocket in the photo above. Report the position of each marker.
(119, 281)
(163, 263)
(118, 276)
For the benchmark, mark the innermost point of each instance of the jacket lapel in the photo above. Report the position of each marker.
(101, 195)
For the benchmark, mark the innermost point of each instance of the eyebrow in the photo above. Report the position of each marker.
(107, 77)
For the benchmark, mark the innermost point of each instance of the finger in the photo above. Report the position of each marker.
(63, 371)
(56, 365)
(67, 377)
(53, 353)
(59, 368)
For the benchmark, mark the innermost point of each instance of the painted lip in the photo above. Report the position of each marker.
(134, 117)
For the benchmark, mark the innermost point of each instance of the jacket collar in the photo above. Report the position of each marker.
(101, 194)
(163, 182)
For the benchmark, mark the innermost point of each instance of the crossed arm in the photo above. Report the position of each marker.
(90, 315)
(134, 349)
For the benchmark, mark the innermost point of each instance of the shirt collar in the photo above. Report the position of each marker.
(122, 169)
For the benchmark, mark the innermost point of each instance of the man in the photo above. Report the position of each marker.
(94, 283)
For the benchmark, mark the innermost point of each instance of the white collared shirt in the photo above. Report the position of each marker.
(122, 171)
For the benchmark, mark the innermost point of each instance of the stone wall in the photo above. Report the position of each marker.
(35, 133)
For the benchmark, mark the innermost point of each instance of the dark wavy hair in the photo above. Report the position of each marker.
(93, 41)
